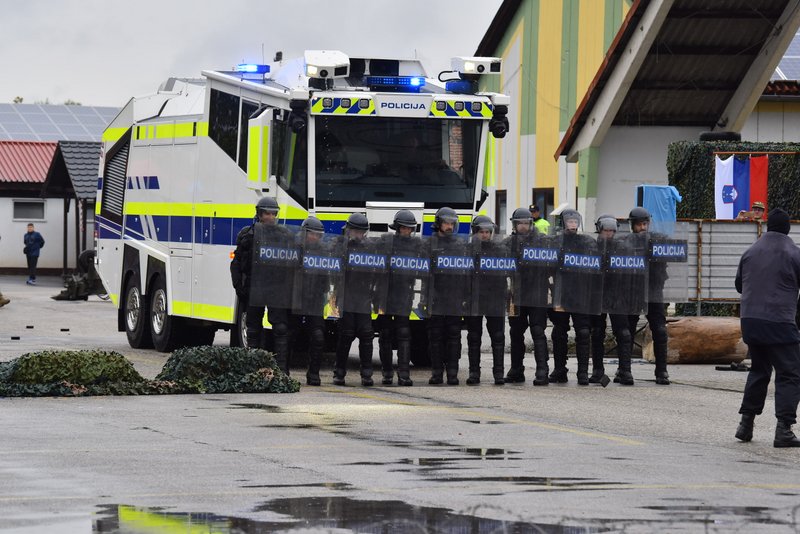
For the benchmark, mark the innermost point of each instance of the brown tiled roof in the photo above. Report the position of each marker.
(25, 161)
(782, 88)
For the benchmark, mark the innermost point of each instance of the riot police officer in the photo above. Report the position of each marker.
(254, 288)
(577, 293)
(310, 293)
(451, 266)
(489, 292)
(354, 298)
(639, 219)
(536, 259)
(408, 263)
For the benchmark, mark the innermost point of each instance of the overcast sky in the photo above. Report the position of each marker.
(102, 52)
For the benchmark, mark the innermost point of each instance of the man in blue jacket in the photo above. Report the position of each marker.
(769, 280)
(33, 241)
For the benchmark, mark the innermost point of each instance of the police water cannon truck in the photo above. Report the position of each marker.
(325, 134)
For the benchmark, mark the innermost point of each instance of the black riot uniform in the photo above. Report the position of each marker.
(354, 298)
(409, 263)
(536, 259)
(242, 278)
(448, 295)
(311, 287)
(489, 292)
(640, 220)
(575, 297)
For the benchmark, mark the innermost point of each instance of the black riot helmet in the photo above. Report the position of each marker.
(447, 215)
(606, 222)
(571, 215)
(312, 224)
(638, 214)
(404, 218)
(357, 221)
(267, 204)
(482, 222)
(521, 215)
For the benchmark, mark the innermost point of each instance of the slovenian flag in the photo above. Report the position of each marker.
(738, 183)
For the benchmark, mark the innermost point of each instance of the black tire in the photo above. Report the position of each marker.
(720, 136)
(165, 329)
(135, 315)
(238, 330)
(419, 344)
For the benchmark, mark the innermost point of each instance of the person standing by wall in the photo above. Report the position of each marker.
(542, 225)
(768, 278)
(34, 242)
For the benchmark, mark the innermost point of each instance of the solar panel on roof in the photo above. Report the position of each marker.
(41, 122)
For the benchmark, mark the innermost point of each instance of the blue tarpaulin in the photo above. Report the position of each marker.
(661, 202)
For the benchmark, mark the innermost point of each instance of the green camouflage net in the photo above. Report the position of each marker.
(189, 370)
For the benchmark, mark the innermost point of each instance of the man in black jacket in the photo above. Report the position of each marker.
(768, 278)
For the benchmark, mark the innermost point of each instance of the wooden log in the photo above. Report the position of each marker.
(716, 340)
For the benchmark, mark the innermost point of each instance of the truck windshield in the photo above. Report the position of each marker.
(360, 159)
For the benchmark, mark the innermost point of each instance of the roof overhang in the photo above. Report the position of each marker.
(701, 63)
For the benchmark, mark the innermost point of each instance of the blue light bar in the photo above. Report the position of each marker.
(252, 68)
(411, 82)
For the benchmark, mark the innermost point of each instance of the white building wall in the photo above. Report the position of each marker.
(51, 228)
(773, 122)
(632, 156)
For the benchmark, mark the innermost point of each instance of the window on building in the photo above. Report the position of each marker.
(29, 210)
(543, 197)
(501, 211)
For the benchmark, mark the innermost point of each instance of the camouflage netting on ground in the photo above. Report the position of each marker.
(190, 370)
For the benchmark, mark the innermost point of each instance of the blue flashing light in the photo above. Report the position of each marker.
(407, 83)
(461, 87)
(252, 68)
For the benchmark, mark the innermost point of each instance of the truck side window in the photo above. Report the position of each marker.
(248, 109)
(290, 160)
(223, 121)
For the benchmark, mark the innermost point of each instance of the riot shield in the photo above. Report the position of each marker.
(669, 263)
(537, 261)
(365, 269)
(319, 275)
(449, 287)
(275, 259)
(625, 274)
(495, 268)
(578, 284)
(408, 269)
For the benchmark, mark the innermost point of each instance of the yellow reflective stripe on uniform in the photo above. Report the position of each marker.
(113, 134)
(253, 142)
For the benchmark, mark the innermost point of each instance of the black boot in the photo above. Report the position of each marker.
(784, 437)
(281, 346)
(624, 350)
(365, 357)
(474, 356)
(541, 356)
(515, 374)
(660, 350)
(559, 374)
(744, 432)
(498, 355)
(385, 354)
(598, 370)
(403, 361)
(437, 365)
(338, 376)
(453, 355)
(582, 349)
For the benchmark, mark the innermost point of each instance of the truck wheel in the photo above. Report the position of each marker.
(164, 327)
(137, 328)
(239, 329)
